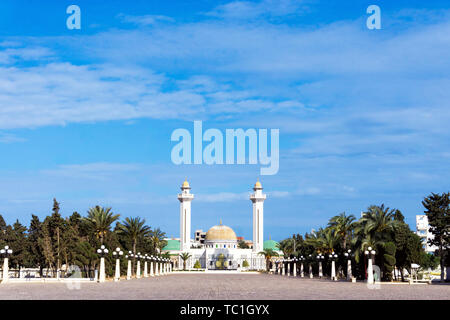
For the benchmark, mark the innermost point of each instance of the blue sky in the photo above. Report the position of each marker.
(86, 115)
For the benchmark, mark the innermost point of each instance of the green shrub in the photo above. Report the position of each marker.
(245, 264)
(389, 259)
(197, 265)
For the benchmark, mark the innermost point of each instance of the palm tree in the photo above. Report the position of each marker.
(323, 240)
(99, 220)
(287, 246)
(157, 240)
(184, 256)
(374, 229)
(268, 254)
(134, 229)
(316, 240)
(378, 221)
(343, 225)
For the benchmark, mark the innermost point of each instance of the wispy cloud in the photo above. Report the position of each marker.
(10, 138)
(91, 171)
(144, 20)
(252, 9)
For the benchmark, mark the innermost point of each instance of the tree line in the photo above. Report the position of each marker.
(384, 230)
(56, 242)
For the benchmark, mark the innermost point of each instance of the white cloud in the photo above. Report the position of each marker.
(252, 9)
(144, 20)
(10, 138)
(91, 171)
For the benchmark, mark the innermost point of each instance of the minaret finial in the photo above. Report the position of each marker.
(220, 221)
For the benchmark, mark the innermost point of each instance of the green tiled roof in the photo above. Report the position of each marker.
(271, 244)
(172, 245)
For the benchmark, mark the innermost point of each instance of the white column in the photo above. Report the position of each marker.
(145, 269)
(5, 270)
(370, 272)
(295, 269)
(257, 199)
(138, 269)
(320, 269)
(310, 271)
(333, 270)
(102, 270)
(283, 270)
(288, 269)
(302, 273)
(117, 275)
(129, 270)
(349, 269)
(151, 269)
(156, 269)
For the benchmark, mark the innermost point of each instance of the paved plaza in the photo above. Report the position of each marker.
(223, 287)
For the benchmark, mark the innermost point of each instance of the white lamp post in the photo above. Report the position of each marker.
(302, 273)
(151, 266)
(138, 265)
(320, 258)
(348, 254)
(117, 253)
(310, 267)
(6, 252)
(129, 257)
(156, 266)
(370, 254)
(145, 266)
(164, 266)
(102, 251)
(288, 267)
(294, 271)
(333, 256)
(163, 262)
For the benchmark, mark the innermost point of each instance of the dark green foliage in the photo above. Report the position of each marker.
(437, 209)
(34, 234)
(428, 261)
(408, 247)
(398, 216)
(60, 243)
(389, 260)
(242, 244)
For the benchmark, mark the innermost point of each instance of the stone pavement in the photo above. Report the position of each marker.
(223, 287)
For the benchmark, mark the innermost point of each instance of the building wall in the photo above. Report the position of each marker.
(422, 230)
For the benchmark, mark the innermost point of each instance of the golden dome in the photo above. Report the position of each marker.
(185, 184)
(258, 185)
(220, 232)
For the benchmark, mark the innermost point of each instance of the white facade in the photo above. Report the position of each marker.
(422, 230)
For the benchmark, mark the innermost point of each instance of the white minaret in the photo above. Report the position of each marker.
(258, 214)
(185, 216)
